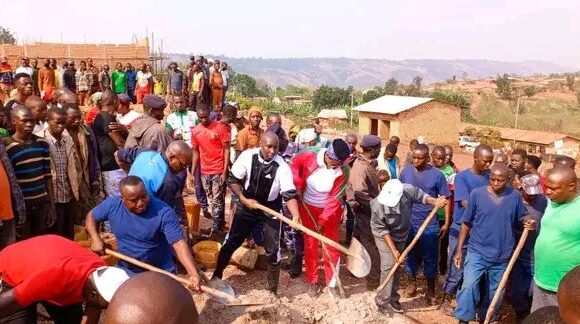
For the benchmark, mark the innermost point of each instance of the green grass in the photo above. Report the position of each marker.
(541, 115)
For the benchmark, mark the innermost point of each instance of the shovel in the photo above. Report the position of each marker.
(506, 275)
(217, 284)
(420, 231)
(215, 289)
(358, 261)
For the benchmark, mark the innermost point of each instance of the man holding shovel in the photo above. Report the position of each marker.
(390, 224)
(259, 176)
(489, 219)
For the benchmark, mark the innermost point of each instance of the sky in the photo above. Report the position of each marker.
(506, 30)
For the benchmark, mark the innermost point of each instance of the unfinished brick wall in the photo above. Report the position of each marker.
(101, 54)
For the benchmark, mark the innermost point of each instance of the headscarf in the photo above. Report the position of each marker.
(96, 97)
(305, 136)
(339, 150)
(254, 109)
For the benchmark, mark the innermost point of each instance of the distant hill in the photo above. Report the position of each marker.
(366, 73)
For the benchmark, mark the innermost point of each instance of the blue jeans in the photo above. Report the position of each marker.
(454, 274)
(426, 250)
(519, 289)
(468, 297)
(350, 219)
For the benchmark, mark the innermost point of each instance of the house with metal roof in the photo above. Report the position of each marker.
(409, 118)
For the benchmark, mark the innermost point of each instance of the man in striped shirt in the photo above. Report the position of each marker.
(30, 158)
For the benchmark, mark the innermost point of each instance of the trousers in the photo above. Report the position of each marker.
(364, 234)
(330, 230)
(65, 220)
(468, 297)
(387, 262)
(7, 233)
(199, 191)
(243, 224)
(542, 298)
(426, 250)
(454, 275)
(519, 288)
(215, 191)
(35, 223)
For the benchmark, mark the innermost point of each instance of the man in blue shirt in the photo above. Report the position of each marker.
(163, 173)
(145, 229)
(465, 182)
(429, 179)
(131, 75)
(489, 219)
(520, 281)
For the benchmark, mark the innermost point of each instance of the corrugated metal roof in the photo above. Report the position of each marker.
(391, 104)
(528, 136)
(332, 114)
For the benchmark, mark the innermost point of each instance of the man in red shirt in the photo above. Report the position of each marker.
(59, 274)
(210, 142)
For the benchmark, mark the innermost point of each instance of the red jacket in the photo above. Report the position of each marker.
(302, 167)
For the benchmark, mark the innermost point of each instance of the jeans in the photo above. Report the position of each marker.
(426, 249)
(7, 233)
(199, 191)
(35, 223)
(519, 289)
(215, 190)
(543, 298)
(389, 293)
(131, 94)
(468, 297)
(65, 221)
(454, 275)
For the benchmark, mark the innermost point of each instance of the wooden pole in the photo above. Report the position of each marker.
(184, 281)
(408, 249)
(506, 275)
(308, 231)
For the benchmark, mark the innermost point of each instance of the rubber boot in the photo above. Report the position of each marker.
(411, 290)
(273, 278)
(296, 266)
(348, 237)
(430, 297)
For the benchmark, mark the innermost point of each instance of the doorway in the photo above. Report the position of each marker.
(374, 127)
(385, 129)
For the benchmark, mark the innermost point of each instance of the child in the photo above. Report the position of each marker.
(383, 176)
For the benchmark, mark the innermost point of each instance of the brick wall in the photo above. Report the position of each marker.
(101, 54)
(436, 121)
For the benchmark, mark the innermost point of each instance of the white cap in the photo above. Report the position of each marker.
(306, 135)
(107, 280)
(391, 193)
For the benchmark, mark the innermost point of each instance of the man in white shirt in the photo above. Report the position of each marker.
(180, 122)
(144, 83)
(226, 78)
(24, 67)
(126, 115)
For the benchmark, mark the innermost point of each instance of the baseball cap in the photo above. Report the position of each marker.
(391, 193)
(107, 280)
(124, 98)
(531, 184)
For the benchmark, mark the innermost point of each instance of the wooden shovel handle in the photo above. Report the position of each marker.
(506, 275)
(308, 231)
(408, 249)
(184, 281)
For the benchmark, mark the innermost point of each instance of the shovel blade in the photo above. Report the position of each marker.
(222, 286)
(359, 266)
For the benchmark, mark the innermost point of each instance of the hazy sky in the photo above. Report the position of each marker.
(507, 30)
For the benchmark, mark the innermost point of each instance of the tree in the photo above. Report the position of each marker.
(570, 80)
(417, 81)
(371, 95)
(7, 36)
(531, 91)
(505, 88)
(249, 87)
(331, 97)
(391, 86)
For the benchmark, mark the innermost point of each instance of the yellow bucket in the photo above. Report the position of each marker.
(206, 253)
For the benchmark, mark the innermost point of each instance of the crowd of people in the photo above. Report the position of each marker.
(112, 169)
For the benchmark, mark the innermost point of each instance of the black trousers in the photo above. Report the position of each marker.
(65, 220)
(242, 225)
(69, 314)
(35, 223)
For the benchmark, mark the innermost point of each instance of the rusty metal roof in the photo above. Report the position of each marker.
(528, 136)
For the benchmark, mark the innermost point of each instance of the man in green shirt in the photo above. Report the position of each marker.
(557, 249)
(119, 79)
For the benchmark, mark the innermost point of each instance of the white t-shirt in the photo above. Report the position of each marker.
(128, 118)
(182, 124)
(320, 182)
(23, 69)
(143, 79)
